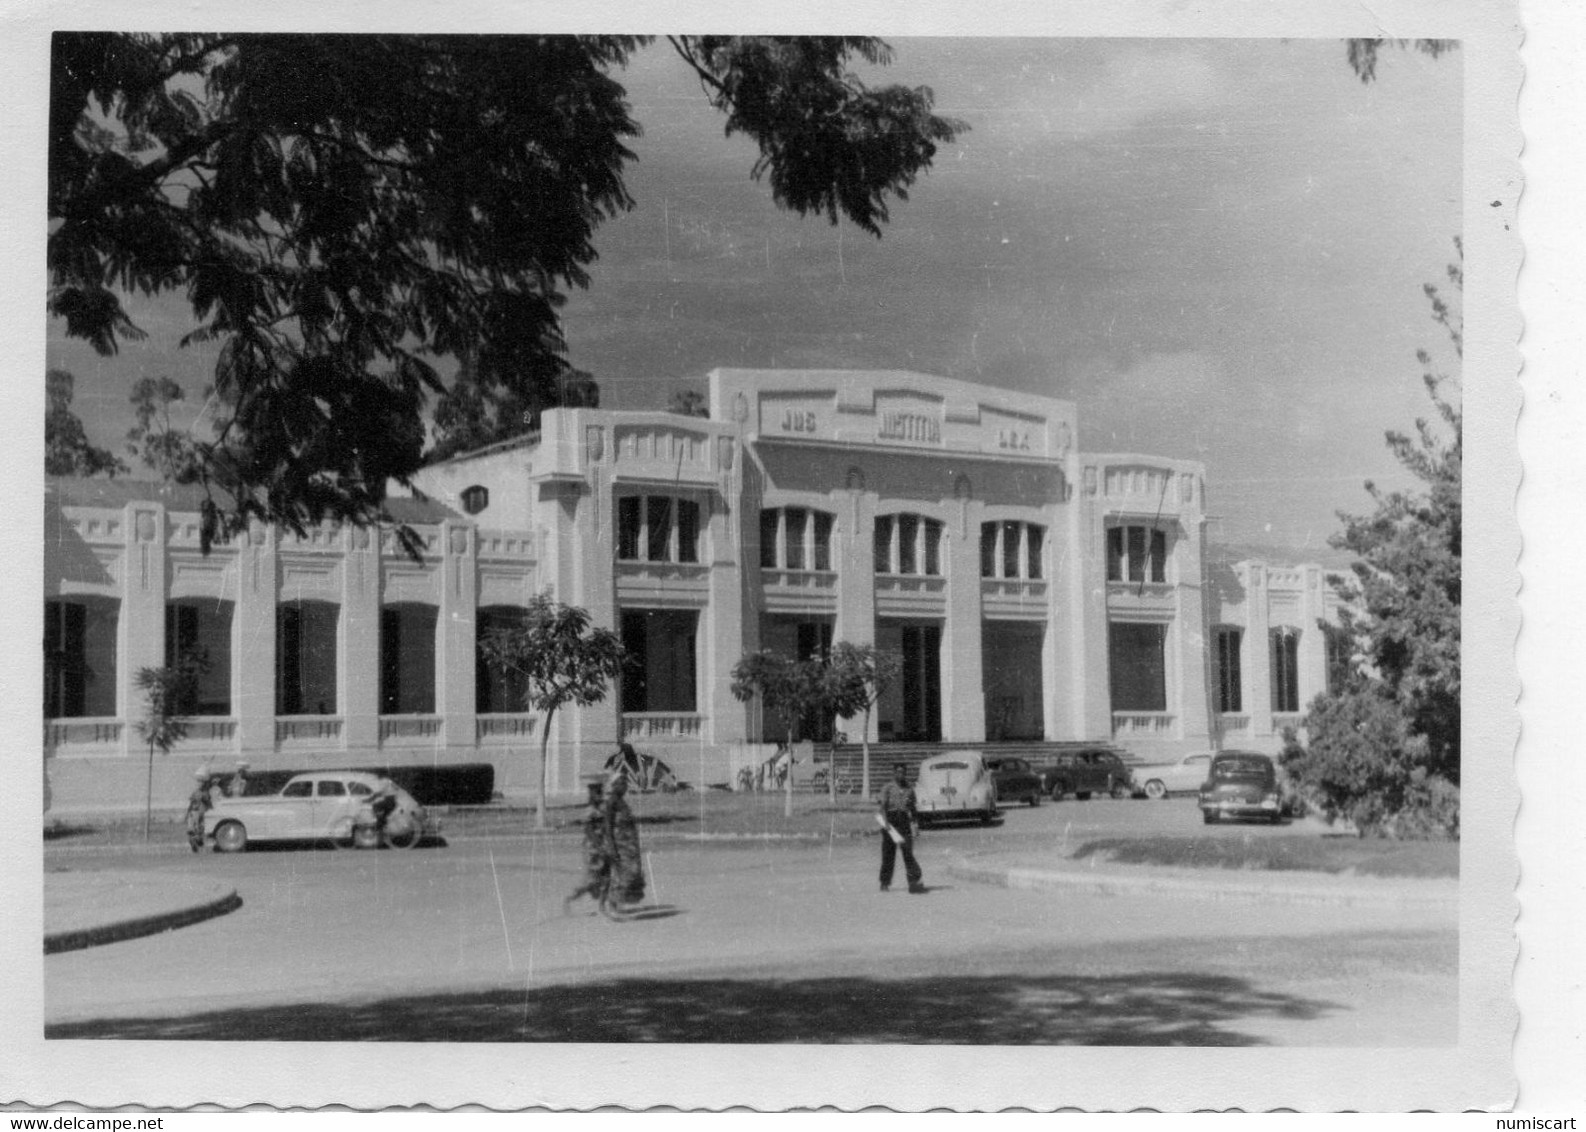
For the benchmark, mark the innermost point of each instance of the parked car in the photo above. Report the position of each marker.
(1087, 772)
(1015, 781)
(1158, 780)
(1241, 784)
(955, 784)
(326, 805)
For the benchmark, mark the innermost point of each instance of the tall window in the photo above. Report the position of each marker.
(1136, 554)
(1229, 697)
(407, 658)
(657, 528)
(305, 658)
(497, 689)
(202, 629)
(1137, 665)
(795, 538)
(80, 657)
(659, 665)
(1338, 653)
(1285, 669)
(908, 544)
(1010, 549)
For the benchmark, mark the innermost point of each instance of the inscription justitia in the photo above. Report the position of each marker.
(909, 426)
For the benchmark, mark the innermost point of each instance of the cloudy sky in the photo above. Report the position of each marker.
(1215, 247)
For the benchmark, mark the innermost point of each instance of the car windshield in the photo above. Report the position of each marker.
(1241, 768)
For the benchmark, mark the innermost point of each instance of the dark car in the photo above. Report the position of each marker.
(1016, 782)
(1241, 784)
(1083, 773)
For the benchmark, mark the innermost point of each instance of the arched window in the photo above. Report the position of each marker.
(305, 657)
(1285, 669)
(908, 544)
(497, 690)
(1136, 554)
(407, 658)
(657, 528)
(80, 657)
(475, 499)
(201, 629)
(1010, 549)
(795, 538)
(1229, 679)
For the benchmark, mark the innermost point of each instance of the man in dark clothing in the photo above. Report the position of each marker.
(899, 817)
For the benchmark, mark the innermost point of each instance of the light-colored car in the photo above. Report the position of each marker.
(1158, 780)
(325, 805)
(955, 784)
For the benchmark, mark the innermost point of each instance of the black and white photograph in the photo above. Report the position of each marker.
(919, 568)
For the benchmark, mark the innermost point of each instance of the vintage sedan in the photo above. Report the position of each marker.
(1015, 781)
(1241, 784)
(1086, 772)
(334, 806)
(955, 784)
(1158, 780)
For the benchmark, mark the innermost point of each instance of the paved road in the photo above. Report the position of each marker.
(755, 942)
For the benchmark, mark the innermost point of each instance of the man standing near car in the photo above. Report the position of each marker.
(899, 818)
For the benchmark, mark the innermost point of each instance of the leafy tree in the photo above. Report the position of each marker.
(1363, 52)
(163, 447)
(562, 659)
(688, 403)
(791, 690)
(864, 672)
(471, 415)
(168, 696)
(341, 210)
(1402, 614)
(66, 448)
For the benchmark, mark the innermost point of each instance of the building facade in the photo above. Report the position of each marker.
(1033, 591)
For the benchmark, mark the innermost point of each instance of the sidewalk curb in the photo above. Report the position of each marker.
(1213, 886)
(79, 938)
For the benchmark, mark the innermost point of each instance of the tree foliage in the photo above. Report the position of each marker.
(1363, 53)
(168, 696)
(1401, 612)
(864, 673)
(67, 451)
(562, 659)
(342, 211)
(164, 448)
(688, 403)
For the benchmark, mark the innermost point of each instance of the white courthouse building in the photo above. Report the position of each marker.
(1035, 591)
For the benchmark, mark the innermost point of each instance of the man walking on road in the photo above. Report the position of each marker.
(898, 819)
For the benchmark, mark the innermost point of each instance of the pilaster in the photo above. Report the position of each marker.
(358, 639)
(455, 699)
(962, 675)
(141, 626)
(1256, 663)
(253, 642)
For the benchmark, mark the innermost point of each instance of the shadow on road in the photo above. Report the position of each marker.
(1142, 1009)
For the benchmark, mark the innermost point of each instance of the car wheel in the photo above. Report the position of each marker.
(1059, 788)
(230, 837)
(364, 837)
(1156, 789)
(1082, 795)
(1035, 798)
(1119, 790)
(406, 837)
(1209, 817)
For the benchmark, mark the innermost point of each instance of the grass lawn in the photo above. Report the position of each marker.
(1346, 855)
